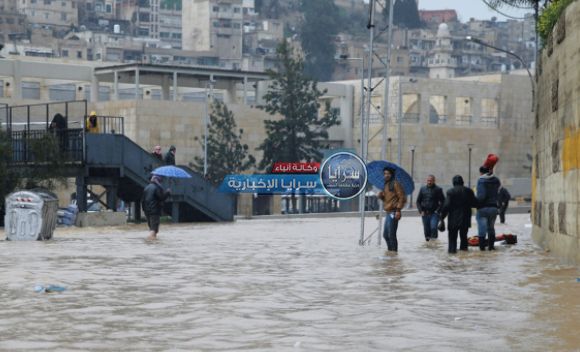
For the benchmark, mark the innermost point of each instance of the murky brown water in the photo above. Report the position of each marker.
(265, 285)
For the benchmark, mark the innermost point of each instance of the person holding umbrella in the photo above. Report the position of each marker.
(152, 200)
(394, 199)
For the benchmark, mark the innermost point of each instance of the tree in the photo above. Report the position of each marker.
(320, 26)
(296, 137)
(226, 155)
(272, 9)
(405, 14)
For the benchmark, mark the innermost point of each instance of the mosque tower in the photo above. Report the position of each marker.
(442, 65)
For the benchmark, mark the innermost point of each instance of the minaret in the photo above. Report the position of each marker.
(442, 65)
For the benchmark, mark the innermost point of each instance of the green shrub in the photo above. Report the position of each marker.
(549, 17)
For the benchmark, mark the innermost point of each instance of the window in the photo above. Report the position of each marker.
(33, 1)
(88, 6)
(113, 56)
(47, 15)
(65, 53)
(21, 21)
(73, 5)
(98, 56)
(63, 4)
(237, 25)
(224, 9)
(236, 66)
(216, 9)
(63, 16)
(256, 63)
(109, 8)
(79, 54)
(2, 20)
(276, 26)
(144, 32)
(236, 10)
(47, 2)
(32, 13)
(10, 20)
(399, 59)
(164, 35)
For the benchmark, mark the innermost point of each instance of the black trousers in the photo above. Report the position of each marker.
(453, 239)
(502, 211)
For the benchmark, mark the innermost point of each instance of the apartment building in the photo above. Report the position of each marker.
(60, 13)
(214, 26)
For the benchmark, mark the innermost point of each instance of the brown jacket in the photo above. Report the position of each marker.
(393, 201)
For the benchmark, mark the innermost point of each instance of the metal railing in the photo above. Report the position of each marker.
(40, 116)
(437, 119)
(70, 144)
(463, 120)
(108, 124)
(489, 121)
(411, 117)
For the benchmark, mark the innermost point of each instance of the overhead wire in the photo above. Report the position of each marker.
(501, 13)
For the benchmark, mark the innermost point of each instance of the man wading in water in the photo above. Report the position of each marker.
(153, 198)
(393, 197)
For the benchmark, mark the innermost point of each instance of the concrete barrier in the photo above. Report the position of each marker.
(101, 219)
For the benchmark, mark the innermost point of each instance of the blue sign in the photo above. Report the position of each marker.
(343, 175)
(272, 184)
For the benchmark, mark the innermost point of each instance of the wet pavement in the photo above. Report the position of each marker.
(267, 285)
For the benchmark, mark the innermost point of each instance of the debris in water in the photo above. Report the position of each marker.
(50, 288)
(382, 258)
(457, 319)
(297, 344)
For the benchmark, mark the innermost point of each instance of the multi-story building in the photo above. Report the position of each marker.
(63, 13)
(214, 26)
(170, 32)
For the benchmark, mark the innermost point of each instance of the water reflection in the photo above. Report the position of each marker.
(264, 285)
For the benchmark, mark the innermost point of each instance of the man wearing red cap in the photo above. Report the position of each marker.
(487, 196)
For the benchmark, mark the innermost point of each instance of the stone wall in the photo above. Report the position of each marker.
(556, 189)
(441, 146)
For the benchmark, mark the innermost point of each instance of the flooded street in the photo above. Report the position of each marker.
(267, 285)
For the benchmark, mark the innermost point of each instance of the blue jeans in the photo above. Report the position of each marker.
(485, 224)
(430, 222)
(390, 231)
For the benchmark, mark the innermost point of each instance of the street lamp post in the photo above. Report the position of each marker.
(412, 170)
(481, 42)
(362, 111)
(412, 80)
(205, 136)
(470, 146)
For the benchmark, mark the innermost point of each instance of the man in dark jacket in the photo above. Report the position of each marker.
(157, 153)
(429, 203)
(153, 198)
(458, 204)
(169, 158)
(487, 195)
(503, 202)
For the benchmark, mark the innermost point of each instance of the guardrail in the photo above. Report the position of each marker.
(411, 117)
(489, 121)
(40, 116)
(70, 142)
(463, 120)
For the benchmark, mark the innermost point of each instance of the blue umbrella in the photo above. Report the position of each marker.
(376, 177)
(170, 171)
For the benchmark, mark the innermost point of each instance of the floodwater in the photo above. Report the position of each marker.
(271, 285)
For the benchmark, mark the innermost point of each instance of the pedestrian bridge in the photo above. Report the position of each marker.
(112, 160)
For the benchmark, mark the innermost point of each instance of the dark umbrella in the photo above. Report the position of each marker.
(376, 177)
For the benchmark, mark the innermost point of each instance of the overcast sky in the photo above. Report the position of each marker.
(470, 8)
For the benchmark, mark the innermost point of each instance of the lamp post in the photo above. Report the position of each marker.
(362, 110)
(470, 146)
(412, 170)
(412, 80)
(205, 136)
(481, 42)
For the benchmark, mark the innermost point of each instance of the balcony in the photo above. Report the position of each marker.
(443, 62)
(463, 120)
(411, 117)
(487, 121)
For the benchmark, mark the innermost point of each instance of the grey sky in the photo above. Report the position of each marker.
(470, 8)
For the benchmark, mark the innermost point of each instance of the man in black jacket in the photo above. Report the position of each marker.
(458, 204)
(429, 203)
(503, 202)
(169, 158)
(153, 198)
(487, 195)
